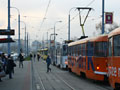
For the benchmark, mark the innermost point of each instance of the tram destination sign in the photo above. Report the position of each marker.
(7, 32)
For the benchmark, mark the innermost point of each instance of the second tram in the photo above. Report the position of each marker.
(114, 59)
(62, 56)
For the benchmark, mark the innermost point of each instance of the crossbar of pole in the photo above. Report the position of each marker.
(82, 24)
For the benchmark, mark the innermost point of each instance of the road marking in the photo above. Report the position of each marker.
(37, 86)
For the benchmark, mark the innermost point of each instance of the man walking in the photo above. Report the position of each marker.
(21, 59)
(48, 61)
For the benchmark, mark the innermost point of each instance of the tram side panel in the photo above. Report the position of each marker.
(114, 58)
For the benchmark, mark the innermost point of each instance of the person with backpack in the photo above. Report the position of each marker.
(10, 66)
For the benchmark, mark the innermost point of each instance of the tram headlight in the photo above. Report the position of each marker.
(98, 67)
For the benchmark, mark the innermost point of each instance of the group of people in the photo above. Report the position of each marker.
(48, 60)
(6, 65)
(34, 56)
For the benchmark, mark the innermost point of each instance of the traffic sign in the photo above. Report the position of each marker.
(108, 17)
(6, 40)
(7, 32)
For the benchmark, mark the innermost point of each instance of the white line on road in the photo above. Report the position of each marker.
(37, 86)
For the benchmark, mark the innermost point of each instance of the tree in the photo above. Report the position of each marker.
(108, 27)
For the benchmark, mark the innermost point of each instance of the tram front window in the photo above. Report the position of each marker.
(65, 47)
(116, 44)
(101, 49)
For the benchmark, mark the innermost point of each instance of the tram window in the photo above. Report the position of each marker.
(69, 51)
(72, 50)
(101, 49)
(110, 47)
(90, 49)
(80, 52)
(83, 49)
(116, 45)
(64, 50)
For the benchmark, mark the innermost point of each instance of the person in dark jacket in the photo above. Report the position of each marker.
(21, 59)
(48, 61)
(10, 66)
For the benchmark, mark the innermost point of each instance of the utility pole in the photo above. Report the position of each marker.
(19, 43)
(27, 44)
(103, 3)
(9, 26)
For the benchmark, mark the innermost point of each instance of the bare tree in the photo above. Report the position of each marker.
(108, 27)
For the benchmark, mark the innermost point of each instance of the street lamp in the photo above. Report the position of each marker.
(54, 27)
(19, 44)
(51, 51)
(54, 37)
(47, 35)
(69, 21)
(25, 36)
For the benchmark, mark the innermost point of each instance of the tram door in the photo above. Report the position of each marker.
(90, 54)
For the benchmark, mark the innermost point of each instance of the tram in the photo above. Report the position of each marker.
(62, 56)
(88, 57)
(114, 59)
(44, 53)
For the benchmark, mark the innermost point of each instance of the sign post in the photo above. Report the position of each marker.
(7, 32)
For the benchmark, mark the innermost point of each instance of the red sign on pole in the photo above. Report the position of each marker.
(108, 18)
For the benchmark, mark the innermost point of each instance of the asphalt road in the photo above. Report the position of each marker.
(34, 77)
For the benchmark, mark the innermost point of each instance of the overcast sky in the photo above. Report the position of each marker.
(33, 11)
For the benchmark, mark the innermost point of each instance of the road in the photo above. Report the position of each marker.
(34, 77)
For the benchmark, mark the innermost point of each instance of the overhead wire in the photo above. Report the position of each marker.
(45, 14)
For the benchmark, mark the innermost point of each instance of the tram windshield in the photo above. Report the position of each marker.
(65, 47)
(101, 49)
(116, 45)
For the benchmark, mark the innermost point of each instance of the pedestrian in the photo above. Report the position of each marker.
(38, 57)
(4, 60)
(31, 56)
(34, 57)
(1, 67)
(21, 59)
(10, 66)
(48, 61)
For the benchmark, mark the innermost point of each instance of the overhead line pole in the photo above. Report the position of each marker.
(19, 43)
(103, 3)
(9, 26)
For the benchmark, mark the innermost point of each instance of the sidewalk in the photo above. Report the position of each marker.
(21, 78)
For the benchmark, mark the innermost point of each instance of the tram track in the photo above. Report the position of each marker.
(58, 78)
(99, 86)
(65, 82)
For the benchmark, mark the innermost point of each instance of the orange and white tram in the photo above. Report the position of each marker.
(114, 59)
(88, 57)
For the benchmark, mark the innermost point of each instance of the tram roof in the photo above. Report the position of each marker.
(114, 32)
(91, 39)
